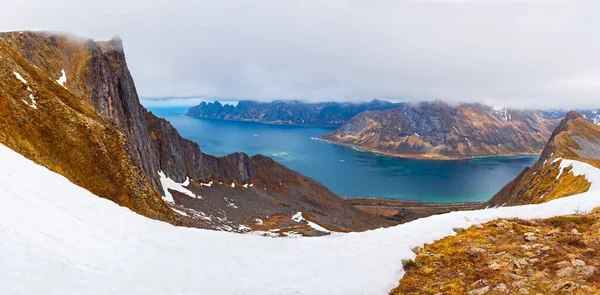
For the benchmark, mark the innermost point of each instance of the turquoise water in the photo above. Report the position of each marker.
(348, 172)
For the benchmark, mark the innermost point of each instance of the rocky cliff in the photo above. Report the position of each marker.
(288, 112)
(436, 130)
(71, 105)
(551, 177)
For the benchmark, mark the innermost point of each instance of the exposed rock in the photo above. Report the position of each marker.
(577, 262)
(500, 224)
(587, 270)
(458, 230)
(417, 249)
(563, 272)
(479, 291)
(565, 286)
(501, 288)
(475, 250)
(494, 265)
(563, 264)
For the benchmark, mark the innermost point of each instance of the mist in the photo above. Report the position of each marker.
(526, 54)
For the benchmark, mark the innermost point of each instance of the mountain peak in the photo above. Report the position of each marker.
(574, 142)
(572, 115)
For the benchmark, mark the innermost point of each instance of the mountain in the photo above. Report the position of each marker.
(69, 241)
(435, 130)
(288, 112)
(561, 170)
(70, 104)
(592, 115)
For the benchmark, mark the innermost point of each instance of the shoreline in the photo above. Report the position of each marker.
(401, 211)
(418, 157)
(408, 201)
(334, 127)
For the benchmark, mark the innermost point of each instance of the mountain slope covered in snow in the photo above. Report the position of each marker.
(58, 238)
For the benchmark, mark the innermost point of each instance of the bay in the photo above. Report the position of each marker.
(346, 171)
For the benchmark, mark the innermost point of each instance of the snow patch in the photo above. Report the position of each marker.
(299, 218)
(62, 81)
(20, 78)
(168, 183)
(209, 184)
(233, 184)
(31, 97)
(591, 173)
(179, 212)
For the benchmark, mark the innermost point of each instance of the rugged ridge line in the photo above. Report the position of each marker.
(291, 112)
(574, 138)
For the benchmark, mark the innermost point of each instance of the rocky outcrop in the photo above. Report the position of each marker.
(71, 105)
(435, 130)
(288, 112)
(510, 256)
(575, 138)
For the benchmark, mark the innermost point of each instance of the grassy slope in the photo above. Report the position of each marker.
(497, 255)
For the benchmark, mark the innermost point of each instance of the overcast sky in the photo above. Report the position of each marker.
(540, 53)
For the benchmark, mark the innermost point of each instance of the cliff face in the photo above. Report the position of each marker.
(440, 131)
(288, 112)
(549, 178)
(71, 105)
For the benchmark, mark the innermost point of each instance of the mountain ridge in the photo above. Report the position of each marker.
(553, 175)
(71, 105)
(288, 112)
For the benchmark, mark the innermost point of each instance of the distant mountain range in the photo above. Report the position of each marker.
(291, 112)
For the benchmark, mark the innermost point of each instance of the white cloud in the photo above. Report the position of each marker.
(514, 52)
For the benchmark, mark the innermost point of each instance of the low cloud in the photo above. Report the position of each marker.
(540, 54)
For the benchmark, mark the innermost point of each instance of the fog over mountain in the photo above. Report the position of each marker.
(541, 54)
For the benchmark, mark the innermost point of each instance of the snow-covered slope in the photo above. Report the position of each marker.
(57, 238)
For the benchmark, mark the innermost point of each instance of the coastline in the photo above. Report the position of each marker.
(401, 211)
(418, 157)
(275, 123)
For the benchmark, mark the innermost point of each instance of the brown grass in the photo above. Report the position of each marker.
(447, 266)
